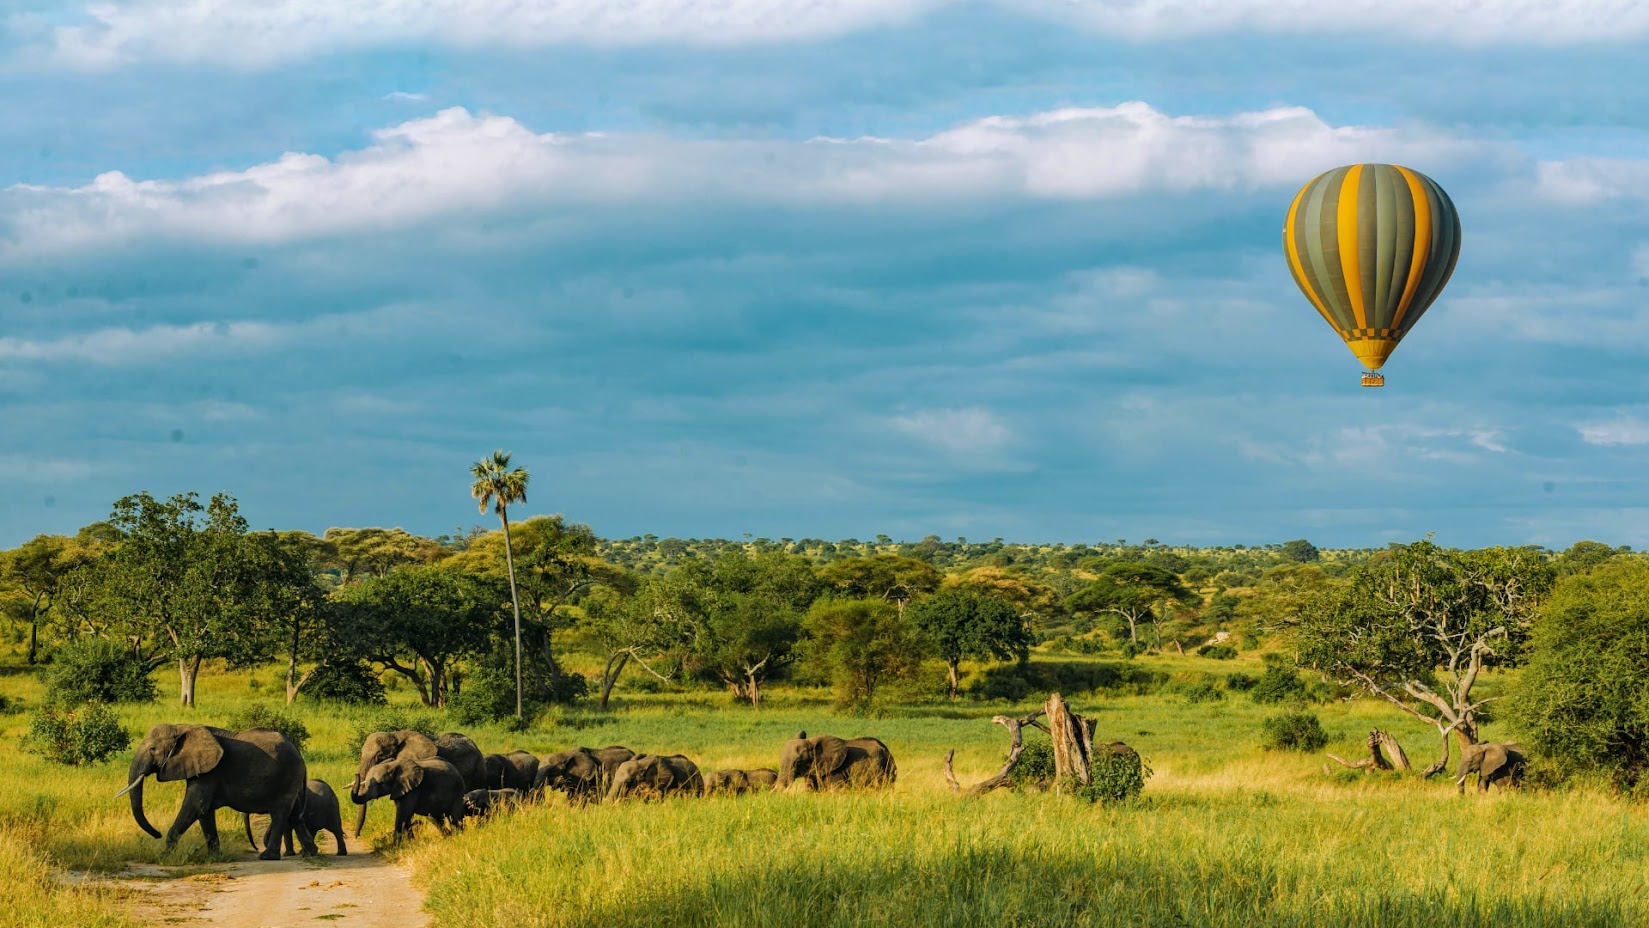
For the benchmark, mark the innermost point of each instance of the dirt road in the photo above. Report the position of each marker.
(359, 891)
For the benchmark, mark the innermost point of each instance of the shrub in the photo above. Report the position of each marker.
(87, 735)
(489, 696)
(97, 670)
(352, 682)
(1294, 731)
(1279, 683)
(1036, 764)
(1218, 652)
(261, 716)
(1132, 649)
(1115, 778)
(1239, 682)
(1205, 691)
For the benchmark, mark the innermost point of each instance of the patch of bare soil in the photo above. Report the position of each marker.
(361, 891)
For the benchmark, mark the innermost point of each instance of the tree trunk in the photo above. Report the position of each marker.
(515, 601)
(1067, 734)
(188, 668)
(753, 688)
(955, 678)
(34, 638)
(609, 675)
(292, 681)
(1133, 628)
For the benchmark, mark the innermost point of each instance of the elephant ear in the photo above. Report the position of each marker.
(408, 774)
(832, 757)
(195, 750)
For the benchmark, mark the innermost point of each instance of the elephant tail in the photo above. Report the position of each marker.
(249, 839)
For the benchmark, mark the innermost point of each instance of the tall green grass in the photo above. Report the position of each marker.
(1225, 834)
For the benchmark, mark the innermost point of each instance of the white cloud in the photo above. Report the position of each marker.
(23, 468)
(1460, 22)
(456, 164)
(402, 96)
(964, 432)
(1623, 431)
(1376, 447)
(1582, 181)
(242, 34)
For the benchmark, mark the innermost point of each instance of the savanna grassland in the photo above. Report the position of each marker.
(1226, 833)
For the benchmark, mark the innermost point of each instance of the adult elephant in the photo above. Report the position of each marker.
(1492, 762)
(516, 770)
(430, 787)
(655, 776)
(581, 773)
(256, 770)
(320, 813)
(828, 762)
(452, 747)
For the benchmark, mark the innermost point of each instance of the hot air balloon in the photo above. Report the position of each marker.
(1372, 245)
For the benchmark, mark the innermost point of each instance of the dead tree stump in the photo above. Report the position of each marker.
(1377, 739)
(1073, 747)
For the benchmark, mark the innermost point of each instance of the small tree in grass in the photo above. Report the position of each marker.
(960, 624)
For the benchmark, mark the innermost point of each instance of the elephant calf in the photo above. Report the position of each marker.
(581, 773)
(653, 776)
(320, 812)
(479, 803)
(429, 787)
(733, 781)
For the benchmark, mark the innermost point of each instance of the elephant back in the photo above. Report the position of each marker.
(457, 749)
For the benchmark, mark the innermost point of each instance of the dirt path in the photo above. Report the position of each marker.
(360, 891)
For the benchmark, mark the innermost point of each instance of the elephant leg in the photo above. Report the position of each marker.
(187, 814)
(306, 838)
(403, 818)
(209, 828)
(338, 836)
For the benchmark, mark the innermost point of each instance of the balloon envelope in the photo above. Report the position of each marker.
(1371, 246)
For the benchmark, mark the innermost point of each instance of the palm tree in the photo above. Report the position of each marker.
(496, 483)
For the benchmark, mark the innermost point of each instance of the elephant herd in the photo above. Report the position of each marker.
(446, 779)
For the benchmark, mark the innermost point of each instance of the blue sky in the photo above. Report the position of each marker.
(826, 268)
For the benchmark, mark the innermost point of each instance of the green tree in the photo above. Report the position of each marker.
(37, 569)
(1584, 556)
(961, 624)
(860, 644)
(1418, 626)
(890, 577)
(1300, 551)
(746, 612)
(1132, 591)
(178, 587)
(498, 484)
(1584, 696)
(647, 627)
(417, 621)
(357, 553)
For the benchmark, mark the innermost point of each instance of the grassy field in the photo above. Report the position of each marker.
(1225, 834)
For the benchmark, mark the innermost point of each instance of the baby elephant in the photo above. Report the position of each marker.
(320, 813)
(430, 787)
(734, 781)
(652, 776)
(479, 803)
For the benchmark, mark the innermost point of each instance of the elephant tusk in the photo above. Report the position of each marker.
(128, 787)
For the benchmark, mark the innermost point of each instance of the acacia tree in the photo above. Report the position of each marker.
(860, 644)
(647, 627)
(1133, 592)
(893, 578)
(417, 621)
(1419, 625)
(497, 483)
(960, 624)
(744, 613)
(38, 568)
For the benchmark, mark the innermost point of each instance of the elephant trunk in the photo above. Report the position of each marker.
(135, 776)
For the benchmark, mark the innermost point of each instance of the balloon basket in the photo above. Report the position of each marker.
(1374, 380)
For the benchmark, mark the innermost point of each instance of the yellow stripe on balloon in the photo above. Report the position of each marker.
(1422, 243)
(1350, 261)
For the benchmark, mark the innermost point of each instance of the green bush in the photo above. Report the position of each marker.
(1115, 778)
(1132, 649)
(1239, 682)
(260, 716)
(352, 682)
(1205, 691)
(1015, 682)
(75, 737)
(1036, 764)
(97, 670)
(1218, 652)
(1279, 683)
(489, 696)
(397, 719)
(1294, 731)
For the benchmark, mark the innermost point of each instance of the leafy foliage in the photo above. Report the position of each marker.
(1279, 683)
(1218, 652)
(861, 644)
(258, 715)
(346, 681)
(1206, 691)
(1583, 699)
(1293, 731)
(1114, 778)
(417, 621)
(89, 734)
(1036, 764)
(97, 670)
(958, 624)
